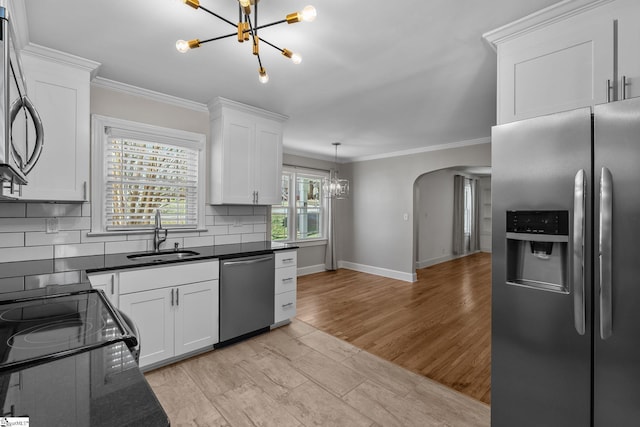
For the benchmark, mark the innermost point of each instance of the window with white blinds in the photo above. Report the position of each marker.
(143, 176)
(138, 169)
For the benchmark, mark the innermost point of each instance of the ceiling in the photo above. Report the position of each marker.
(375, 76)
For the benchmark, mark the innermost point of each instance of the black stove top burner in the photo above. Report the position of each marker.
(38, 329)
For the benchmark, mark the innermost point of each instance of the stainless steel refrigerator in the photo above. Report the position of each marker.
(566, 269)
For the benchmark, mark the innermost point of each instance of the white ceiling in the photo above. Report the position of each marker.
(380, 77)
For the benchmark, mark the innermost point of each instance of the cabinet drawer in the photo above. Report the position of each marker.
(285, 306)
(286, 259)
(285, 280)
(161, 277)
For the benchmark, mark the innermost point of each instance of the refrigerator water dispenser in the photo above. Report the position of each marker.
(537, 250)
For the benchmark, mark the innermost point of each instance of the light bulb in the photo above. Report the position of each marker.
(245, 3)
(182, 46)
(263, 76)
(309, 14)
(296, 58)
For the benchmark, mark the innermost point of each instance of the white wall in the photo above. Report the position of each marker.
(375, 237)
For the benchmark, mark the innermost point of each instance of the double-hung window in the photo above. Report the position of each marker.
(138, 169)
(301, 216)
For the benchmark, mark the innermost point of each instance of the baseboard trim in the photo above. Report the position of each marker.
(384, 272)
(433, 261)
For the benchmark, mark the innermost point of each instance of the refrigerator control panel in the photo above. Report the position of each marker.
(554, 223)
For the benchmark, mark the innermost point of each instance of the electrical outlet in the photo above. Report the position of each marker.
(52, 225)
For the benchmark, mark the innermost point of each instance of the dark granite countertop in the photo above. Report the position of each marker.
(103, 263)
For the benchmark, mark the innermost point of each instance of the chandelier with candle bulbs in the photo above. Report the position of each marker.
(247, 30)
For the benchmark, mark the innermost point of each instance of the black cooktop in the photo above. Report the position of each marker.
(39, 329)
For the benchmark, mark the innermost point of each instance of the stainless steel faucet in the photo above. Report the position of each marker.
(157, 240)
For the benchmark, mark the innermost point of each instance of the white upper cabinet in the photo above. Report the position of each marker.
(245, 160)
(60, 91)
(569, 55)
(628, 73)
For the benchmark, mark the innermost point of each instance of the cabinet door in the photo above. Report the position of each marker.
(268, 163)
(60, 93)
(196, 317)
(153, 313)
(628, 17)
(108, 283)
(559, 67)
(238, 134)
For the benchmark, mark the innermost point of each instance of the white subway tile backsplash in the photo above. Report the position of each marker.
(198, 241)
(46, 210)
(260, 210)
(39, 238)
(8, 225)
(12, 284)
(81, 249)
(8, 240)
(253, 219)
(215, 230)
(240, 210)
(13, 210)
(241, 229)
(215, 210)
(228, 239)
(23, 234)
(86, 209)
(74, 223)
(25, 253)
(252, 237)
(125, 246)
(260, 228)
(84, 238)
(42, 280)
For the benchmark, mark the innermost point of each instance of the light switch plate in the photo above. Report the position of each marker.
(52, 225)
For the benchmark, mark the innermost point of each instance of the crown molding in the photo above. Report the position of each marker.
(101, 82)
(61, 58)
(539, 19)
(216, 105)
(439, 147)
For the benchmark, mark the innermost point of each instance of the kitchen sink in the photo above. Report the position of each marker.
(162, 256)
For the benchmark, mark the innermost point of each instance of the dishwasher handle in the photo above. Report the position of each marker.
(249, 261)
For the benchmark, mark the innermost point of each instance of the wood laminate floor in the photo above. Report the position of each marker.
(439, 326)
(298, 375)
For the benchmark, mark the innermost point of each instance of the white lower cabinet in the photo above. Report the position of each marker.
(285, 286)
(108, 283)
(173, 319)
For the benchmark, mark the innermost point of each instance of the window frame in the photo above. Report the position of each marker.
(144, 132)
(292, 217)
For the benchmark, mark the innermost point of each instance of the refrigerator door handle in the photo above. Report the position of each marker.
(604, 246)
(579, 205)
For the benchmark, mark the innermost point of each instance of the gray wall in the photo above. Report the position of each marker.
(434, 217)
(375, 237)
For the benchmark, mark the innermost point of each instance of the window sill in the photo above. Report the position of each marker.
(304, 243)
(149, 231)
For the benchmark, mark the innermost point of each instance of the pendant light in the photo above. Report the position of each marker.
(334, 187)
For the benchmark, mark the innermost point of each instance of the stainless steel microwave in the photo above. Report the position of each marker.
(21, 130)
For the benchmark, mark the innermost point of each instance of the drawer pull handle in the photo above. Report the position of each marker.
(288, 279)
(287, 259)
(287, 305)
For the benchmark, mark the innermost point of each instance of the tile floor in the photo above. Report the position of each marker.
(299, 376)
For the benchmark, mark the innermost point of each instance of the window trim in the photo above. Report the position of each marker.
(294, 171)
(146, 132)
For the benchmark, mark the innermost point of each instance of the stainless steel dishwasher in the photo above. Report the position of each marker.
(246, 296)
